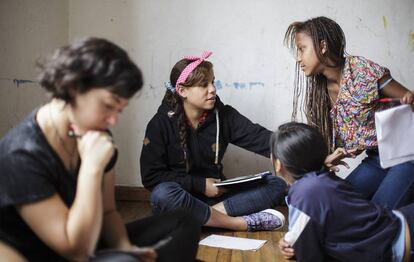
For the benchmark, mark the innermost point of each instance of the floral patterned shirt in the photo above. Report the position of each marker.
(352, 114)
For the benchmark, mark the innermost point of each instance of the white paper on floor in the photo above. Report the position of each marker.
(232, 242)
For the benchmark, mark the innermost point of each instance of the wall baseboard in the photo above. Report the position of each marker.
(128, 193)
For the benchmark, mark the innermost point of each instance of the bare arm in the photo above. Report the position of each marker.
(396, 90)
(114, 230)
(73, 232)
(8, 253)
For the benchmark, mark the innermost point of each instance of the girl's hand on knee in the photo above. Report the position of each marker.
(286, 250)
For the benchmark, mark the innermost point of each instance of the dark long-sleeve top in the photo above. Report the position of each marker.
(328, 221)
(162, 156)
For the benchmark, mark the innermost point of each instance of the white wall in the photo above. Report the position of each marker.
(246, 38)
(28, 29)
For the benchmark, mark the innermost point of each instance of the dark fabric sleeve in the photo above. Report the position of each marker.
(247, 135)
(112, 161)
(307, 215)
(25, 178)
(308, 247)
(154, 163)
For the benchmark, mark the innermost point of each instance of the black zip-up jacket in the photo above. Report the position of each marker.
(162, 157)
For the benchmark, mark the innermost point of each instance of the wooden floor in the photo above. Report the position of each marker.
(132, 210)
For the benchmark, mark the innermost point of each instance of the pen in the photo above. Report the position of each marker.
(72, 134)
(388, 99)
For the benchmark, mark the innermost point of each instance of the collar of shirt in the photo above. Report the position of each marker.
(201, 120)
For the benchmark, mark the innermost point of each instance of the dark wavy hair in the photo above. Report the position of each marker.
(299, 147)
(316, 103)
(200, 76)
(86, 64)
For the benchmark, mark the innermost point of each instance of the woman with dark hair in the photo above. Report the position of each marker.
(57, 181)
(183, 147)
(328, 220)
(341, 96)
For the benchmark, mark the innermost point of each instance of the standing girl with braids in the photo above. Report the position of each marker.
(341, 97)
(183, 148)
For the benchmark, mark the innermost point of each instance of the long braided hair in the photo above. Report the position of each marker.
(200, 76)
(311, 93)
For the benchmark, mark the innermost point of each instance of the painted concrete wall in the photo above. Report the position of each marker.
(255, 71)
(28, 30)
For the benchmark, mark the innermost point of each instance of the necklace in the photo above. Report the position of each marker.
(330, 98)
(71, 152)
(335, 93)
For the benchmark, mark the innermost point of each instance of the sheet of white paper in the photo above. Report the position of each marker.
(232, 242)
(395, 133)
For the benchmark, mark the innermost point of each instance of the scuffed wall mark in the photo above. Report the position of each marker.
(411, 40)
(254, 84)
(19, 82)
(385, 22)
(238, 85)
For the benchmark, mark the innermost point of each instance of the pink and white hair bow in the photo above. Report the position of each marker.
(190, 67)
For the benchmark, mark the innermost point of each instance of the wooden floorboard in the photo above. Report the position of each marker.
(133, 210)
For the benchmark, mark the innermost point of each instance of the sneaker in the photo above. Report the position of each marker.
(268, 219)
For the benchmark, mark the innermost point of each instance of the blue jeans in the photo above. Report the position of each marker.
(241, 199)
(391, 187)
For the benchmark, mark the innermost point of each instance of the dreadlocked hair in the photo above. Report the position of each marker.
(202, 75)
(311, 93)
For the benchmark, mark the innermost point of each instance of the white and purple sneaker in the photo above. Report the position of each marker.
(268, 219)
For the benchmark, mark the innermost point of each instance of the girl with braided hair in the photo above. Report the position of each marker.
(183, 147)
(341, 94)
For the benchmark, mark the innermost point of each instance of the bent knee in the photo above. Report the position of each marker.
(164, 192)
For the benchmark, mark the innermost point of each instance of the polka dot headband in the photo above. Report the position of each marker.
(188, 69)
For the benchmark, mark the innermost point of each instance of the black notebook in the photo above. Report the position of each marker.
(243, 179)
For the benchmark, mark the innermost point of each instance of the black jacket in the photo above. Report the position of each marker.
(162, 157)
